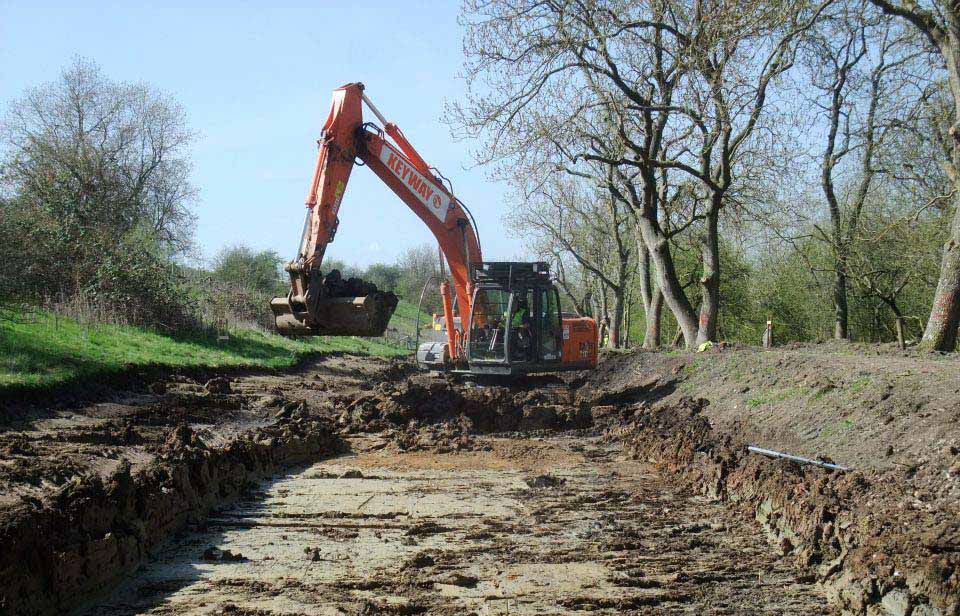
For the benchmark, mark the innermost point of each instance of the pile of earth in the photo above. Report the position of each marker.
(881, 540)
(85, 536)
(335, 285)
(879, 410)
(422, 413)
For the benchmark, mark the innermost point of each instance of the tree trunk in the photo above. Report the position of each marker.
(901, 338)
(595, 305)
(657, 243)
(677, 338)
(651, 337)
(941, 331)
(668, 282)
(627, 320)
(617, 320)
(841, 311)
(650, 295)
(899, 321)
(710, 281)
(605, 311)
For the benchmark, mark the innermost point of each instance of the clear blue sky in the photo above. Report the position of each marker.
(255, 80)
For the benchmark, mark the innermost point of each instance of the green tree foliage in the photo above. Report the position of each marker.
(417, 267)
(244, 267)
(786, 291)
(96, 175)
(142, 285)
(385, 276)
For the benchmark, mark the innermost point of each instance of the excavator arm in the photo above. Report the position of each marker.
(318, 304)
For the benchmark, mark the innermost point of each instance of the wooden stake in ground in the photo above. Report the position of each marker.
(768, 334)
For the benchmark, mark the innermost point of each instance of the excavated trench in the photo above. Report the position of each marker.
(548, 525)
(352, 487)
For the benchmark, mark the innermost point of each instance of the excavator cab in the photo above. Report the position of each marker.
(516, 326)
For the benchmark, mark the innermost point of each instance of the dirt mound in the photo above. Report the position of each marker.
(872, 537)
(385, 302)
(86, 535)
(335, 285)
(879, 410)
(420, 411)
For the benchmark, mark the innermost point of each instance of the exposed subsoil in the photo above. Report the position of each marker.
(563, 524)
(353, 486)
(883, 538)
(87, 492)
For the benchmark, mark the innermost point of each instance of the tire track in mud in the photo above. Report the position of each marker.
(557, 525)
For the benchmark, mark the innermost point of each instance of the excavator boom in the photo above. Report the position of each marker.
(321, 304)
(509, 320)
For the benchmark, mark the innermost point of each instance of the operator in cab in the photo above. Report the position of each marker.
(521, 335)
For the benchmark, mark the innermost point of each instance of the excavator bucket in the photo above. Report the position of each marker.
(332, 306)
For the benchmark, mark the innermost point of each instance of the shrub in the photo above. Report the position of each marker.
(146, 287)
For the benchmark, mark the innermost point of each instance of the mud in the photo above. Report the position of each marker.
(482, 532)
(381, 305)
(611, 492)
(87, 491)
(433, 413)
(83, 537)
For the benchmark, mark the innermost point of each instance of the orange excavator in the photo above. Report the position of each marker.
(502, 318)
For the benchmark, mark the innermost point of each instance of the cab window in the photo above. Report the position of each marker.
(488, 325)
(550, 327)
(522, 330)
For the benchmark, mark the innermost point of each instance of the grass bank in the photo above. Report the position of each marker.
(40, 349)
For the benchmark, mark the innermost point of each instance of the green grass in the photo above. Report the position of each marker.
(771, 396)
(859, 385)
(39, 349)
(404, 319)
(408, 312)
(402, 330)
(834, 429)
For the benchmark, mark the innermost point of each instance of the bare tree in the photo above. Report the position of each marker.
(567, 215)
(683, 85)
(939, 22)
(103, 157)
(859, 64)
(570, 279)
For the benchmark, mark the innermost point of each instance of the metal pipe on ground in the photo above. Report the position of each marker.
(786, 456)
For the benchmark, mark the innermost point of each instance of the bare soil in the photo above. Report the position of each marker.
(353, 486)
(44, 447)
(377, 532)
(884, 538)
(864, 406)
